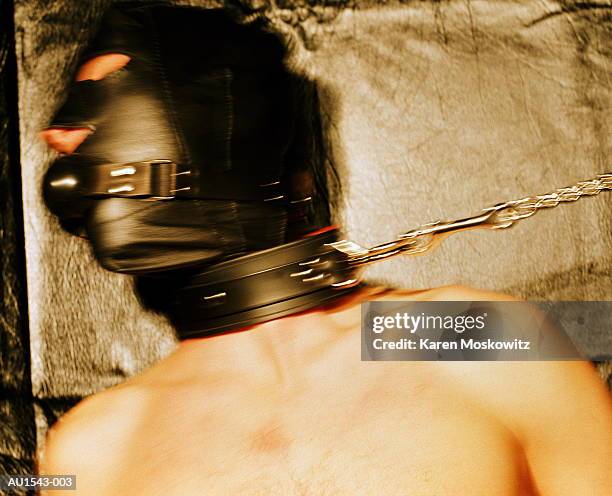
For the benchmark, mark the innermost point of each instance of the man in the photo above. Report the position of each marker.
(285, 405)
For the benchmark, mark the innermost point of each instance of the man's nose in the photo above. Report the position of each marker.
(66, 140)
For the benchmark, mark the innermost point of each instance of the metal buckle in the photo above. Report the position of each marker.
(154, 179)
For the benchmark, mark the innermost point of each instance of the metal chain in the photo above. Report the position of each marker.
(500, 216)
(506, 214)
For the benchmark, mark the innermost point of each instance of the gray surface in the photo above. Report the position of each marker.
(433, 110)
(17, 434)
(443, 110)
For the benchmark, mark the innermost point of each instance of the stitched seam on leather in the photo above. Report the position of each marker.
(229, 108)
(172, 115)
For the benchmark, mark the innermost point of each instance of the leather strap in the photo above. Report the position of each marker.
(158, 179)
(262, 286)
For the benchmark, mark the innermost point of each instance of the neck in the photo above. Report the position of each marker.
(278, 348)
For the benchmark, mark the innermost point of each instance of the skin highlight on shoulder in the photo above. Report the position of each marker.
(88, 440)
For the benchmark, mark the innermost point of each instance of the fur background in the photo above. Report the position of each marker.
(432, 109)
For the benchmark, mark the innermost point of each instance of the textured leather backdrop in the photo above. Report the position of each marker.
(432, 110)
(17, 432)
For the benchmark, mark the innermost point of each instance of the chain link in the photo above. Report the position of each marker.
(506, 214)
(500, 216)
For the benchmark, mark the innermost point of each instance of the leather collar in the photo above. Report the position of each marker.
(262, 286)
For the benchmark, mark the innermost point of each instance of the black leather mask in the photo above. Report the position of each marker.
(194, 149)
(204, 170)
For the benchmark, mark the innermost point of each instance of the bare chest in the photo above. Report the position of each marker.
(380, 440)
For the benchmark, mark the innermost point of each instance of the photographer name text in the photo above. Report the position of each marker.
(425, 344)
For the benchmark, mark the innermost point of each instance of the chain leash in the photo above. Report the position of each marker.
(501, 216)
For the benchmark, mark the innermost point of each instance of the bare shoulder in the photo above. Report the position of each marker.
(87, 440)
(530, 394)
(560, 412)
(560, 388)
(453, 292)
